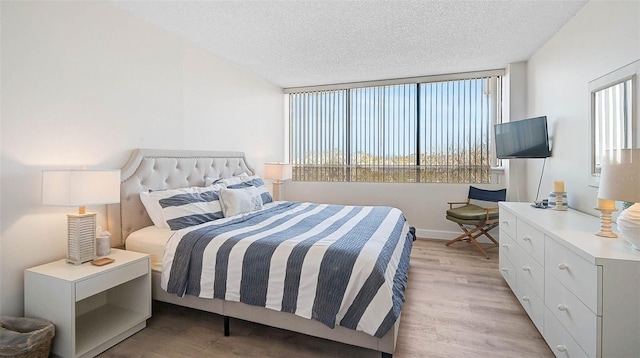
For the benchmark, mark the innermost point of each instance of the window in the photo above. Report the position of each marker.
(436, 130)
(614, 120)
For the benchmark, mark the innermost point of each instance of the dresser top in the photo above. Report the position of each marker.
(576, 231)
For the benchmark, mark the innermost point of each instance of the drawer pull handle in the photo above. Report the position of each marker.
(562, 307)
(563, 267)
(526, 298)
(526, 268)
(504, 269)
(505, 222)
(505, 246)
(526, 238)
(561, 348)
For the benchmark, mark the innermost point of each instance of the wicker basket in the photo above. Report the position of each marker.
(25, 337)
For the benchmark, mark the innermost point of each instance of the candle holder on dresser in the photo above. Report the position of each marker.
(605, 223)
(558, 200)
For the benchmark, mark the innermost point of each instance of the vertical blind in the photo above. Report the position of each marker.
(409, 132)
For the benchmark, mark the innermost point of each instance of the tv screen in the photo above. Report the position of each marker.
(527, 138)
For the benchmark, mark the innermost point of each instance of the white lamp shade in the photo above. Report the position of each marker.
(278, 171)
(80, 187)
(620, 175)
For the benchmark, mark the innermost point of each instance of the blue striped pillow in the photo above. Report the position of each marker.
(189, 206)
(254, 181)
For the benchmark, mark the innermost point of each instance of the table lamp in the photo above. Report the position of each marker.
(278, 172)
(620, 180)
(80, 188)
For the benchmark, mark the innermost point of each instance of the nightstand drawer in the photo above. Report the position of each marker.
(111, 278)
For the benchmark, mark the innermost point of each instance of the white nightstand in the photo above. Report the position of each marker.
(92, 307)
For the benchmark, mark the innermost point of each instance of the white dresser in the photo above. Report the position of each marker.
(581, 291)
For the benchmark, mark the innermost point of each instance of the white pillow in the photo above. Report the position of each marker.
(237, 179)
(154, 210)
(209, 180)
(185, 207)
(240, 200)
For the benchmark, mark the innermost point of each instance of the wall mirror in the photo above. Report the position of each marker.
(614, 100)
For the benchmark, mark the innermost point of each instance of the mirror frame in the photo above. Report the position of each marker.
(630, 71)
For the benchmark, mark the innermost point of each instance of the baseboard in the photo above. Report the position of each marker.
(449, 235)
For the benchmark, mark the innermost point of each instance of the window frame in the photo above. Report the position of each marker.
(630, 72)
(495, 117)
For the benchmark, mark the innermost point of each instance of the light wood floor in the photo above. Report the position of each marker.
(457, 305)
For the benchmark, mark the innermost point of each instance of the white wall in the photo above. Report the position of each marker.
(84, 83)
(603, 36)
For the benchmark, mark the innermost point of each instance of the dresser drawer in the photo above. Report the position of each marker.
(508, 223)
(559, 340)
(532, 303)
(530, 271)
(111, 278)
(577, 274)
(574, 316)
(507, 246)
(531, 240)
(507, 269)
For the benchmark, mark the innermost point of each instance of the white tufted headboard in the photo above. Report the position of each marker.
(157, 169)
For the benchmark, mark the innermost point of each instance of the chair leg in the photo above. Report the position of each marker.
(480, 248)
(463, 236)
(485, 232)
(471, 235)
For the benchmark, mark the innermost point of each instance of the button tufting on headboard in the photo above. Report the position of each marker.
(151, 169)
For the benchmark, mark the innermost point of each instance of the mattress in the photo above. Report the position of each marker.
(150, 240)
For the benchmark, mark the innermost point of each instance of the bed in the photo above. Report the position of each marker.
(173, 255)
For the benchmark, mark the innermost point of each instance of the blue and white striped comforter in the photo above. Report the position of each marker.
(343, 265)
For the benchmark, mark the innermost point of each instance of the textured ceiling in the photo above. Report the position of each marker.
(302, 43)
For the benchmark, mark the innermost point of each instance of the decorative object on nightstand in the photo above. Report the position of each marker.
(620, 180)
(80, 188)
(278, 172)
(103, 242)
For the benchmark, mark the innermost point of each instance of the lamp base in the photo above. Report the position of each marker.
(277, 190)
(81, 238)
(605, 223)
(629, 225)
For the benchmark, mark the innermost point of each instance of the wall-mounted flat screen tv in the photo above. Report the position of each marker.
(527, 138)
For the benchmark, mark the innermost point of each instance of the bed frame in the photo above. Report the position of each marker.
(167, 169)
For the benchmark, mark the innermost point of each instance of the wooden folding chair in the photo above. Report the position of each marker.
(475, 220)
